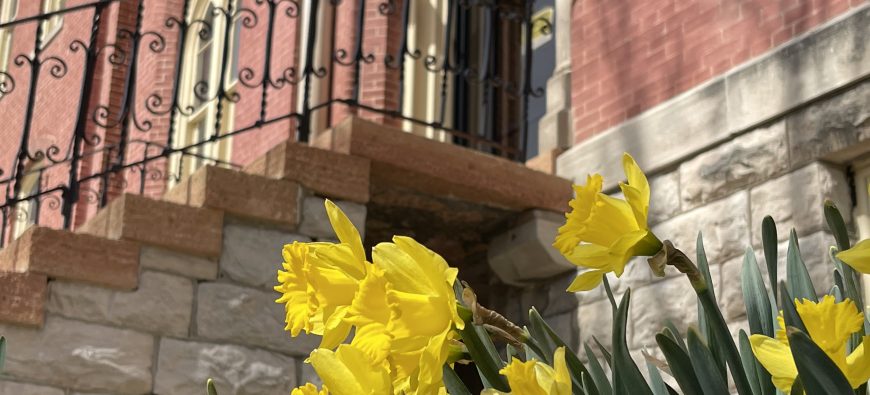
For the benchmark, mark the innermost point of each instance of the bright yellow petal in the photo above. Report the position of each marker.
(562, 378)
(586, 281)
(858, 365)
(858, 257)
(349, 371)
(639, 207)
(309, 389)
(830, 324)
(776, 359)
(568, 236)
(336, 329)
(636, 178)
(522, 377)
(611, 218)
(345, 230)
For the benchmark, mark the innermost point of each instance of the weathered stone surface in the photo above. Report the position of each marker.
(565, 325)
(664, 197)
(724, 224)
(178, 263)
(183, 367)
(796, 200)
(743, 161)
(525, 253)
(672, 299)
(252, 254)
(22, 297)
(162, 304)
(682, 126)
(836, 128)
(13, 388)
(315, 222)
(814, 251)
(81, 356)
(248, 316)
(594, 320)
(558, 299)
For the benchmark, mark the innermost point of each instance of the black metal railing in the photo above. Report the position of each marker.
(100, 108)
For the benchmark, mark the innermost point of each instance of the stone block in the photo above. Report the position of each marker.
(159, 223)
(664, 202)
(525, 253)
(565, 325)
(22, 297)
(594, 320)
(227, 312)
(796, 200)
(746, 160)
(554, 130)
(682, 126)
(814, 251)
(70, 256)
(331, 174)
(558, 299)
(240, 194)
(178, 263)
(724, 224)
(81, 356)
(651, 306)
(315, 222)
(183, 368)
(162, 304)
(13, 388)
(835, 128)
(252, 254)
(545, 162)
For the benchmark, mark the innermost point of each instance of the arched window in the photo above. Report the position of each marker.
(207, 110)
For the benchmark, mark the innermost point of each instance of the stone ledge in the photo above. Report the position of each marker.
(197, 231)
(406, 160)
(524, 254)
(23, 296)
(240, 194)
(808, 68)
(77, 257)
(327, 173)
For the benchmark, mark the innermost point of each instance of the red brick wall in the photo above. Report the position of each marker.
(627, 56)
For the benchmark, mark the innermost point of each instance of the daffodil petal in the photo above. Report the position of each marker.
(776, 359)
(561, 378)
(858, 365)
(858, 257)
(636, 177)
(586, 281)
(345, 230)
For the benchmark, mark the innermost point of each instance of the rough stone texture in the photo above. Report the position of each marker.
(178, 263)
(162, 304)
(13, 388)
(664, 197)
(672, 299)
(227, 312)
(524, 253)
(724, 223)
(252, 254)
(70, 256)
(81, 356)
(240, 194)
(565, 325)
(745, 160)
(22, 297)
(796, 200)
(836, 128)
(594, 320)
(814, 251)
(315, 222)
(183, 368)
(558, 299)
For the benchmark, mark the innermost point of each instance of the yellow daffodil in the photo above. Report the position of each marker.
(309, 389)
(858, 257)
(320, 280)
(829, 325)
(405, 314)
(537, 378)
(602, 233)
(349, 371)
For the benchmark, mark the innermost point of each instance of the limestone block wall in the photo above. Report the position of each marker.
(192, 315)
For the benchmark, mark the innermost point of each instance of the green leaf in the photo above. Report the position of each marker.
(485, 357)
(769, 243)
(799, 282)
(453, 383)
(209, 387)
(2, 352)
(817, 371)
(706, 367)
(674, 333)
(599, 378)
(837, 224)
(511, 352)
(723, 335)
(789, 313)
(604, 353)
(758, 309)
(658, 385)
(574, 365)
(542, 339)
(627, 378)
(680, 364)
(749, 364)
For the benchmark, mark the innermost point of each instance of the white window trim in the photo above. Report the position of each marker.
(52, 26)
(8, 12)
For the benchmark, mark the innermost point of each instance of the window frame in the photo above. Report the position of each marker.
(8, 12)
(52, 26)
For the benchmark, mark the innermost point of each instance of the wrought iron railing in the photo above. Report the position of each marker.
(99, 109)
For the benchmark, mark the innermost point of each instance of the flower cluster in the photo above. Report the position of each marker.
(400, 307)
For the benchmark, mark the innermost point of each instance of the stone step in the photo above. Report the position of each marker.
(70, 256)
(197, 231)
(22, 297)
(331, 174)
(240, 194)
